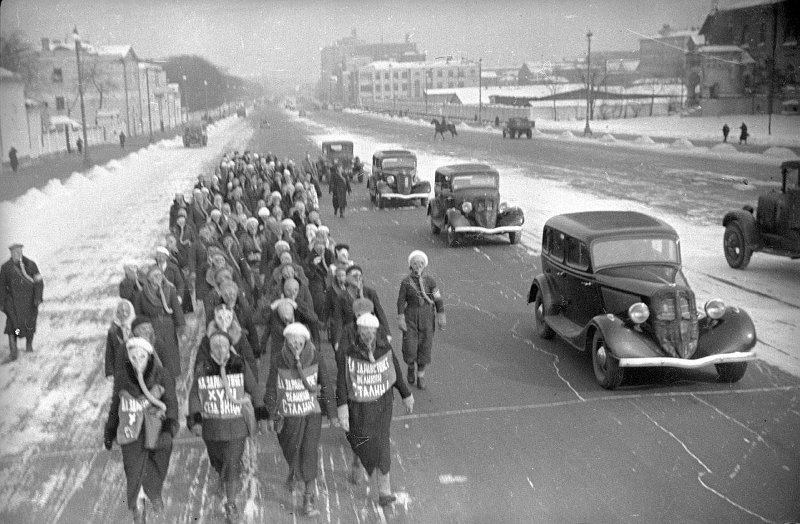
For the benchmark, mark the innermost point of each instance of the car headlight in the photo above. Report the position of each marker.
(503, 206)
(638, 313)
(715, 308)
(390, 179)
(466, 207)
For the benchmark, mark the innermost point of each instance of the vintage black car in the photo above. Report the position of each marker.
(466, 201)
(518, 126)
(195, 134)
(336, 153)
(775, 226)
(394, 178)
(612, 284)
(241, 112)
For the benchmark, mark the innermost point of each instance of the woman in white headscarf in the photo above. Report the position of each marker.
(419, 306)
(118, 333)
(159, 301)
(144, 394)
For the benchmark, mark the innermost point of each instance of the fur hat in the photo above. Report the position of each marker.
(296, 328)
(418, 254)
(368, 320)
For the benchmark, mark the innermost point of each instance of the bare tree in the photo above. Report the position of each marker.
(17, 55)
(95, 72)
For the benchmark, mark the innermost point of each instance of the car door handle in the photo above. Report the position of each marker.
(561, 273)
(587, 284)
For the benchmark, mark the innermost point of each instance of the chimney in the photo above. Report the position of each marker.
(45, 44)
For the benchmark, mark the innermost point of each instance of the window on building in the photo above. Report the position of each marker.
(743, 36)
(404, 75)
(460, 73)
(762, 33)
(439, 85)
(60, 103)
(386, 75)
(377, 88)
(394, 86)
(58, 75)
(450, 74)
(471, 72)
(395, 75)
(439, 73)
(387, 87)
(449, 84)
(460, 83)
(404, 87)
(366, 88)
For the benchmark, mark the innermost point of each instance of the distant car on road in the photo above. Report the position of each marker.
(466, 202)
(774, 227)
(241, 112)
(337, 153)
(195, 133)
(612, 284)
(517, 126)
(394, 177)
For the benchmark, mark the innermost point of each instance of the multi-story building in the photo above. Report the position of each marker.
(391, 80)
(750, 50)
(664, 55)
(163, 110)
(20, 126)
(340, 62)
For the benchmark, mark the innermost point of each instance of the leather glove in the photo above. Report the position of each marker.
(442, 320)
(344, 417)
(334, 422)
(408, 402)
(197, 430)
(108, 438)
(401, 322)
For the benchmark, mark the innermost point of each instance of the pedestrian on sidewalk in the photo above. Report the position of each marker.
(298, 381)
(725, 131)
(21, 288)
(13, 160)
(122, 139)
(224, 408)
(743, 135)
(143, 419)
(365, 412)
(419, 307)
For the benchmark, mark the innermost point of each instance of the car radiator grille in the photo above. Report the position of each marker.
(675, 323)
(404, 184)
(485, 213)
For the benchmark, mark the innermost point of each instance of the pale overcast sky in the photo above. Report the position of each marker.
(259, 36)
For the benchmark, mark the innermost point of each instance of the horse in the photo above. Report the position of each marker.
(440, 128)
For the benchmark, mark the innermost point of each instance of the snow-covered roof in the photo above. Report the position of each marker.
(115, 50)
(5, 74)
(674, 34)
(720, 49)
(746, 4)
(381, 65)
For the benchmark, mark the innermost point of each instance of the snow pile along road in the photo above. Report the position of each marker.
(79, 232)
(769, 290)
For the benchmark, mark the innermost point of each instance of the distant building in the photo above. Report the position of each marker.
(391, 80)
(664, 55)
(340, 62)
(21, 125)
(733, 68)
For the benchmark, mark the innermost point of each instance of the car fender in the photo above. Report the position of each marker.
(746, 221)
(732, 333)
(382, 187)
(455, 218)
(512, 216)
(422, 187)
(622, 341)
(544, 283)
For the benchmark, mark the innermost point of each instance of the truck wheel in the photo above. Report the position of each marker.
(542, 329)
(381, 202)
(736, 251)
(434, 228)
(452, 236)
(504, 133)
(606, 366)
(731, 372)
(529, 133)
(514, 237)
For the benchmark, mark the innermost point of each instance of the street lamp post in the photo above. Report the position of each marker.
(480, 91)
(80, 93)
(588, 130)
(185, 98)
(149, 104)
(205, 90)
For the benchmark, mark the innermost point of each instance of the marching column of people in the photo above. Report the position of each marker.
(250, 247)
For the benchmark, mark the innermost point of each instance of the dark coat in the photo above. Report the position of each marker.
(340, 186)
(128, 289)
(165, 325)
(116, 353)
(343, 313)
(318, 279)
(20, 296)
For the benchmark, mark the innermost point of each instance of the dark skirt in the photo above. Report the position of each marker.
(370, 423)
(299, 440)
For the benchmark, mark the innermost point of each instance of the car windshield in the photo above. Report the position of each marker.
(633, 251)
(475, 180)
(339, 148)
(403, 161)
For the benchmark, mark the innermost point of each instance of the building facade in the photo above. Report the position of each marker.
(391, 80)
(20, 120)
(664, 55)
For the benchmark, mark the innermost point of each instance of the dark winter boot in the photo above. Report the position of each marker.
(308, 501)
(420, 377)
(355, 471)
(12, 350)
(29, 343)
(385, 497)
(290, 481)
(411, 371)
(158, 506)
(232, 515)
(140, 513)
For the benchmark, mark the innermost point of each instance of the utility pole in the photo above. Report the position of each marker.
(588, 130)
(480, 91)
(80, 93)
(127, 109)
(771, 96)
(149, 112)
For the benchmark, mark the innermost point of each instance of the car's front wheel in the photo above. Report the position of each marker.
(381, 201)
(731, 372)
(736, 251)
(452, 236)
(542, 329)
(606, 366)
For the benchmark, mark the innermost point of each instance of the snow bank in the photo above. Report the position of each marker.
(79, 231)
(781, 153)
(681, 143)
(645, 140)
(608, 138)
(566, 135)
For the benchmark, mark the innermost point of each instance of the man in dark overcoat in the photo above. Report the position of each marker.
(21, 288)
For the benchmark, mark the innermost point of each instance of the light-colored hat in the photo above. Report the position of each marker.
(216, 212)
(288, 222)
(276, 194)
(263, 212)
(297, 329)
(134, 343)
(12, 247)
(282, 244)
(368, 320)
(324, 229)
(418, 254)
(282, 302)
(253, 220)
(162, 250)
